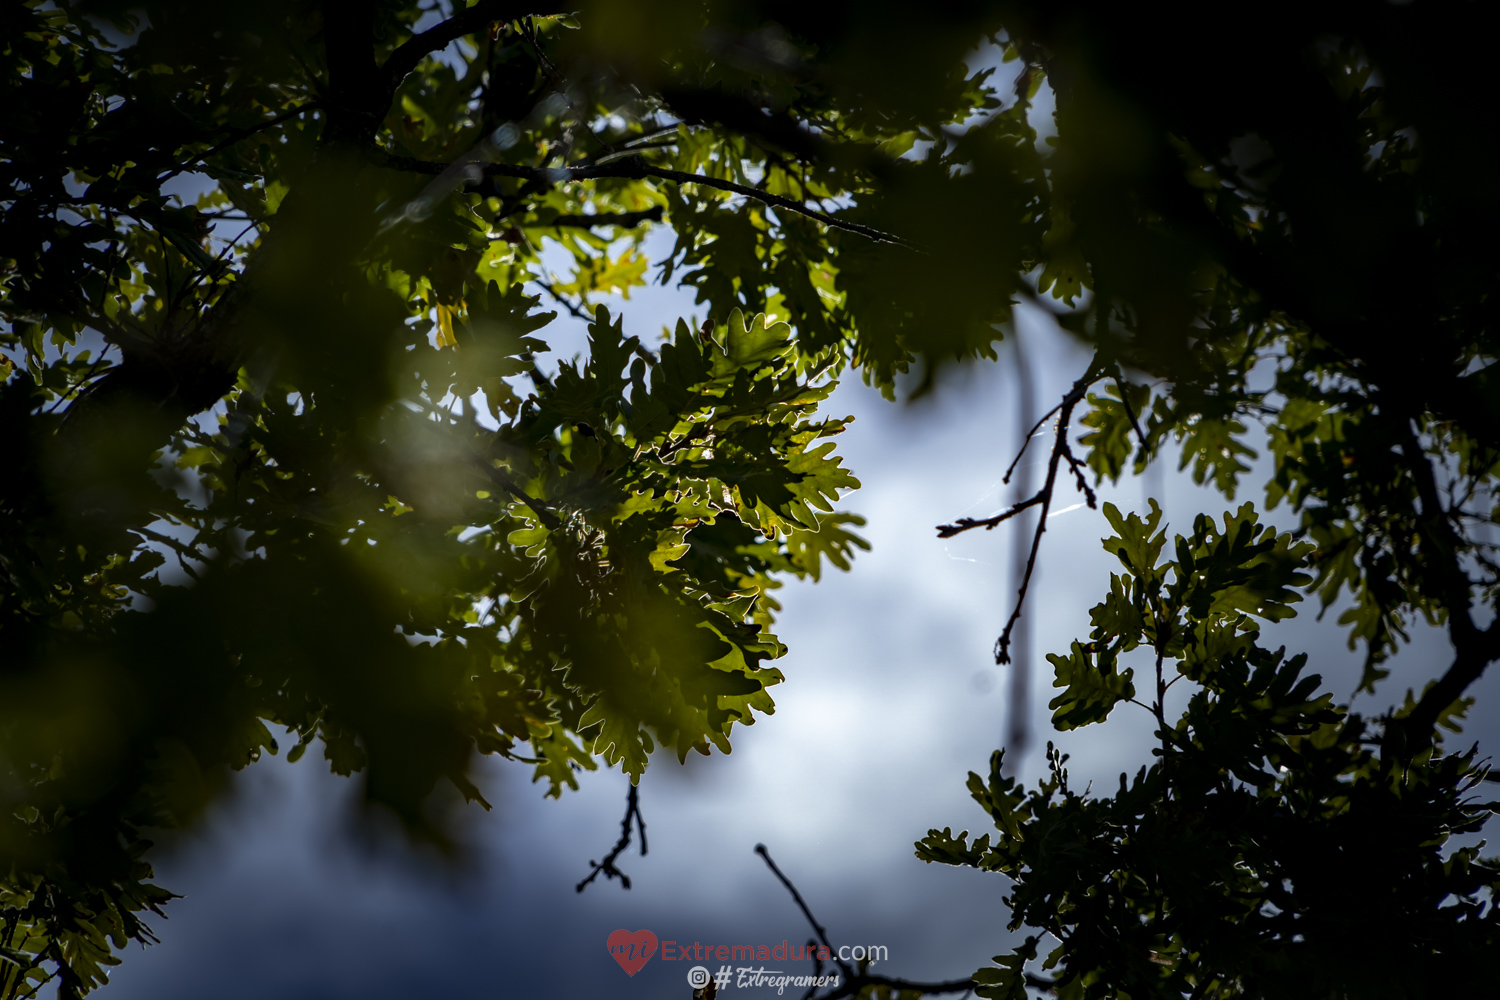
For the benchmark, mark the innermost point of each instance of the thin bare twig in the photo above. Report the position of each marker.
(1120, 384)
(765, 856)
(561, 300)
(855, 982)
(1060, 452)
(965, 523)
(1010, 470)
(607, 866)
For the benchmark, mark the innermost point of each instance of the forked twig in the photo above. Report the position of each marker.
(607, 866)
(854, 982)
(1060, 452)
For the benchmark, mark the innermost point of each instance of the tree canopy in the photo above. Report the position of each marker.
(280, 455)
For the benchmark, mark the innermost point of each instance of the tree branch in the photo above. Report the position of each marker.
(1120, 384)
(1474, 648)
(625, 220)
(634, 168)
(561, 300)
(777, 201)
(765, 856)
(965, 523)
(509, 485)
(1468, 400)
(1060, 452)
(855, 982)
(701, 106)
(607, 866)
(1026, 442)
(466, 22)
(237, 135)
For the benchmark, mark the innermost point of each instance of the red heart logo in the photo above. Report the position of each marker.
(632, 951)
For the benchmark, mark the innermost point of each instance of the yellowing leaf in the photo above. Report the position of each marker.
(445, 336)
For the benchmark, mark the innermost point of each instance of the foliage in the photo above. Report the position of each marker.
(281, 454)
(1295, 250)
(1243, 862)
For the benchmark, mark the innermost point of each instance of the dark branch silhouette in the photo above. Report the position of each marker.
(802, 905)
(1135, 425)
(1026, 441)
(855, 980)
(1060, 452)
(562, 299)
(411, 52)
(634, 168)
(1474, 648)
(625, 220)
(607, 866)
(502, 479)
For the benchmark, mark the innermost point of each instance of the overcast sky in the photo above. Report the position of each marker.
(891, 697)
